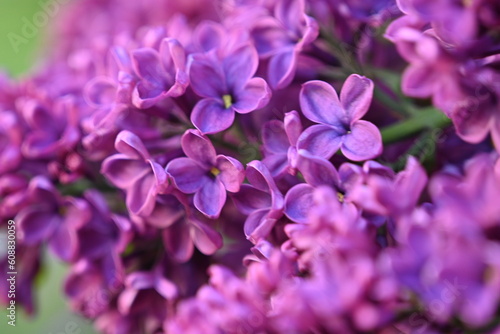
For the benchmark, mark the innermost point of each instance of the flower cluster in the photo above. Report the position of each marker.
(262, 166)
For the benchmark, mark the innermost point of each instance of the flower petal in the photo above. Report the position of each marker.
(240, 66)
(298, 202)
(356, 96)
(254, 95)
(282, 68)
(293, 126)
(36, 225)
(206, 77)
(249, 199)
(130, 144)
(258, 225)
(231, 174)
(210, 198)
(198, 148)
(209, 116)
(317, 171)
(320, 103)
(188, 176)
(120, 170)
(206, 239)
(141, 196)
(321, 140)
(274, 137)
(177, 241)
(363, 143)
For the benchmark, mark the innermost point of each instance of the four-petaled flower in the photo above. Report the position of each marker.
(205, 174)
(339, 120)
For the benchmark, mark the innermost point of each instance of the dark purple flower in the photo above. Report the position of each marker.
(10, 141)
(49, 217)
(53, 129)
(205, 173)
(136, 172)
(340, 120)
(226, 86)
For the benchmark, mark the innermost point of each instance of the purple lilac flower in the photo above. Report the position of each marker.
(205, 173)
(162, 73)
(261, 200)
(282, 38)
(340, 124)
(226, 86)
(49, 217)
(134, 171)
(279, 144)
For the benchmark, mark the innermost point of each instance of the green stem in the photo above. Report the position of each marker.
(428, 118)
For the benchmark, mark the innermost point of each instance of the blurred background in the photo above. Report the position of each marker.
(20, 49)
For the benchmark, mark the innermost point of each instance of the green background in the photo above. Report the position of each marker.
(53, 313)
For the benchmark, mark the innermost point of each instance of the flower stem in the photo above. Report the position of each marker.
(428, 118)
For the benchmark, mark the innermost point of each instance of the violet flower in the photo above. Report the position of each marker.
(161, 73)
(205, 174)
(226, 86)
(279, 144)
(261, 200)
(136, 172)
(282, 38)
(340, 120)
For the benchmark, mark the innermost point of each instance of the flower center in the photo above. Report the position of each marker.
(340, 197)
(215, 171)
(228, 100)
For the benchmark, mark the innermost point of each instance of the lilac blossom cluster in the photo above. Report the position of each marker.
(261, 166)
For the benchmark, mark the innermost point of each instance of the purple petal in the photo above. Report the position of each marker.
(240, 66)
(321, 140)
(165, 288)
(320, 103)
(63, 242)
(231, 174)
(206, 239)
(208, 35)
(356, 96)
(282, 68)
(209, 116)
(277, 164)
(363, 143)
(274, 137)
(258, 225)
(177, 241)
(172, 54)
(210, 198)
(317, 171)
(289, 13)
(473, 124)
(147, 65)
(298, 202)
(254, 95)
(293, 126)
(419, 81)
(130, 144)
(206, 76)
(249, 199)
(120, 170)
(198, 148)
(36, 226)
(188, 176)
(142, 195)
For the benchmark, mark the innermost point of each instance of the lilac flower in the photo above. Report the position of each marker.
(43, 221)
(205, 174)
(282, 38)
(340, 125)
(161, 73)
(261, 200)
(279, 144)
(146, 295)
(226, 86)
(182, 229)
(54, 129)
(136, 172)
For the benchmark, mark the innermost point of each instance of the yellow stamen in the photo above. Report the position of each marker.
(340, 196)
(228, 100)
(214, 171)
